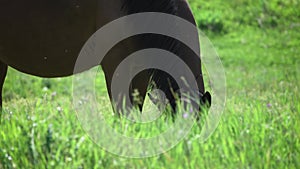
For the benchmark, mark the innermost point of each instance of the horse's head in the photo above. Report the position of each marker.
(159, 98)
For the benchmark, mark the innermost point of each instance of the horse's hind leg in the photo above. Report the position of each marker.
(3, 71)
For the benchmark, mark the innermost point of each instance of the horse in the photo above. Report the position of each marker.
(44, 37)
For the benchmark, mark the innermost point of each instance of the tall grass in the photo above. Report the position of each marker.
(259, 127)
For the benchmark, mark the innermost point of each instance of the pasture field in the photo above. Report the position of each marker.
(260, 126)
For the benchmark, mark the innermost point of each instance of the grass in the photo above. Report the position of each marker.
(259, 127)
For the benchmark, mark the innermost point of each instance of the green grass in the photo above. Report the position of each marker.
(259, 127)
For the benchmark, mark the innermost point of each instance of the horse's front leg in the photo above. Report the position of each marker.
(138, 89)
(136, 92)
(3, 71)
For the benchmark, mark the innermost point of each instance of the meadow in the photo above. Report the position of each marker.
(259, 45)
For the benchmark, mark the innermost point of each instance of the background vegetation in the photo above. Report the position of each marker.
(258, 42)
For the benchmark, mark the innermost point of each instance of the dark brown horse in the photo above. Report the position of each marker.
(44, 37)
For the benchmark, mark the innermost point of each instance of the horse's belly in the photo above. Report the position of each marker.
(44, 37)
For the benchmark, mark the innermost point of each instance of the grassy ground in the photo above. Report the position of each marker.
(259, 127)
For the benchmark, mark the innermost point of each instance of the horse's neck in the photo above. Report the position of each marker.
(166, 6)
(109, 10)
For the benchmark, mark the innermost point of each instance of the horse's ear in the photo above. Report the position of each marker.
(206, 99)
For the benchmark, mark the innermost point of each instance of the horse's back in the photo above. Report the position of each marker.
(44, 37)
